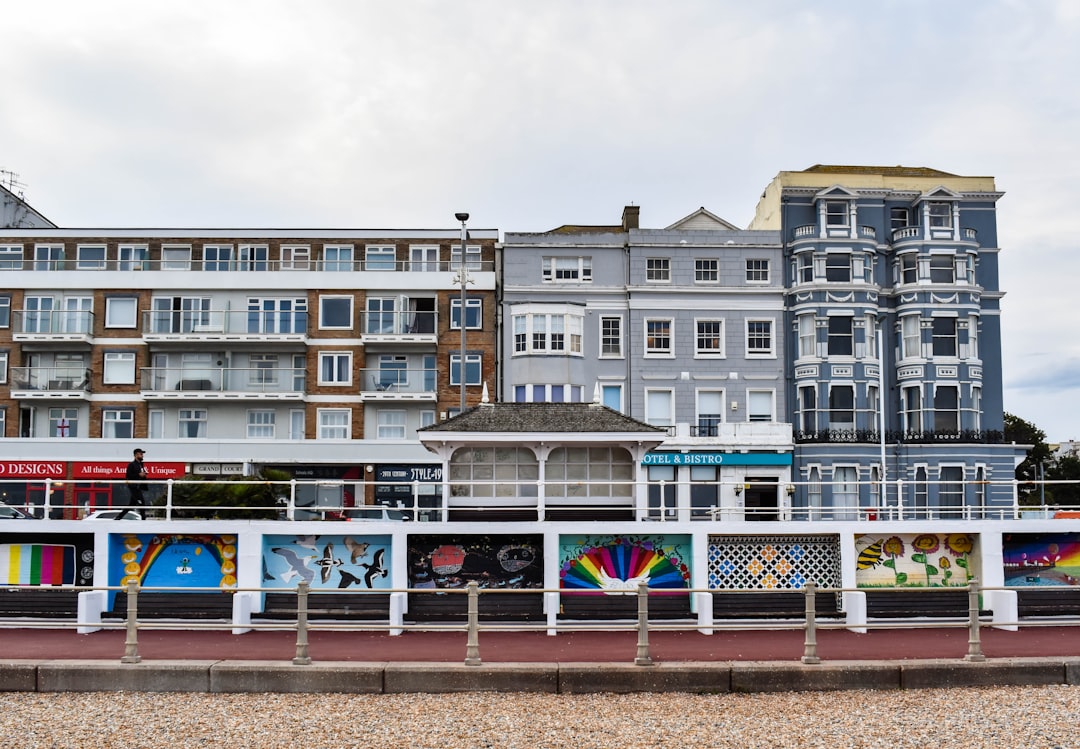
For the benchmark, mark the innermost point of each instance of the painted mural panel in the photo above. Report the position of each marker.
(773, 562)
(174, 561)
(501, 561)
(1041, 559)
(915, 560)
(352, 561)
(613, 564)
(46, 559)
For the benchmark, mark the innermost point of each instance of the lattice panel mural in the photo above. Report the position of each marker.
(773, 562)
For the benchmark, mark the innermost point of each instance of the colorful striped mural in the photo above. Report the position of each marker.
(37, 564)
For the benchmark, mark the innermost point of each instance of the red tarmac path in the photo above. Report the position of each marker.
(536, 647)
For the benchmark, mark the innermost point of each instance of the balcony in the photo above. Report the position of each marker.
(399, 327)
(55, 383)
(871, 436)
(921, 233)
(258, 326)
(223, 383)
(399, 384)
(52, 325)
(742, 434)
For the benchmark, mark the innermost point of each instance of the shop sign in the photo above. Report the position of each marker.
(32, 469)
(409, 473)
(716, 459)
(217, 469)
(154, 471)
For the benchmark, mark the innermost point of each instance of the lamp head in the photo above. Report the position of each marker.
(461, 217)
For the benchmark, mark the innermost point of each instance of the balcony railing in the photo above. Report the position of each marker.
(259, 324)
(67, 324)
(216, 382)
(50, 379)
(989, 437)
(248, 266)
(399, 323)
(391, 383)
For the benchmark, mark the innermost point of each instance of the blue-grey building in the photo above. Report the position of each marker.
(894, 354)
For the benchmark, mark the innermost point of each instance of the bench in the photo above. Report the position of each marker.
(494, 607)
(328, 606)
(904, 605)
(590, 605)
(39, 603)
(175, 606)
(1055, 601)
(773, 605)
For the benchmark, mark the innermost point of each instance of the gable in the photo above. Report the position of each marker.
(701, 219)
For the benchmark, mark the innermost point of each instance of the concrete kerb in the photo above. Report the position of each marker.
(998, 672)
(282, 676)
(111, 676)
(457, 677)
(18, 676)
(790, 676)
(688, 676)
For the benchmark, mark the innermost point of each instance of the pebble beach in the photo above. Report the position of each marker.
(1028, 717)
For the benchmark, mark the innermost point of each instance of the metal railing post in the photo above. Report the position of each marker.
(47, 507)
(643, 658)
(810, 655)
(131, 643)
(168, 499)
(302, 658)
(974, 629)
(472, 643)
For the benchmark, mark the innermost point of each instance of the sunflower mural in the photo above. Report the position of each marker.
(618, 564)
(923, 560)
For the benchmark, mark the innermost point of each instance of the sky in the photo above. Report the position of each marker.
(398, 114)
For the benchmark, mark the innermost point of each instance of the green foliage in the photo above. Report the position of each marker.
(230, 497)
(1027, 473)
(1065, 468)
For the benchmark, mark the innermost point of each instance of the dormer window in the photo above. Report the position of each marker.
(836, 213)
(940, 215)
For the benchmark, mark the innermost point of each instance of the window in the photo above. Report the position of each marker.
(808, 409)
(263, 371)
(192, 424)
(836, 213)
(39, 314)
(176, 257)
(911, 403)
(180, 314)
(252, 257)
(706, 270)
(273, 316)
(472, 369)
(710, 412)
(940, 215)
(423, 258)
(611, 396)
(335, 312)
(660, 408)
(217, 257)
(942, 269)
(841, 335)
(807, 335)
(658, 269)
(611, 337)
(976, 408)
(117, 423)
(334, 423)
(474, 309)
(132, 256)
(908, 268)
(427, 418)
(757, 271)
(567, 269)
(156, 424)
(382, 316)
(11, 256)
(380, 257)
(335, 368)
(3, 366)
(77, 314)
(813, 492)
(759, 405)
(260, 424)
(946, 409)
(295, 257)
(911, 336)
(951, 492)
(804, 272)
(48, 257)
(658, 338)
(759, 339)
(393, 371)
(90, 257)
(5, 312)
(898, 218)
(838, 267)
(841, 407)
(121, 312)
(547, 333)
(472, 257)
(922, 492)
(944, 336)
(968, 270)
(873, 407)
(871, 336)
(296, 424)
(119, 368)
(845, 489)
(63, 422)
(602, 472)
(337, 257)
(709, 340)
(391, 425)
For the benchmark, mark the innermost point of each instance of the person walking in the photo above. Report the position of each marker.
(136, 483)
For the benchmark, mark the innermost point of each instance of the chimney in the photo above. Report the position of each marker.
(630, 217)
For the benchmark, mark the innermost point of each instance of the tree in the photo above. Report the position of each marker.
(236, 496)
(1064, 468)
(1038, 458)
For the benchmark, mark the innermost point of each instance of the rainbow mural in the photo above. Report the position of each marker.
(618, 564)
(1041, 559)
(37, 564)
(173, 561)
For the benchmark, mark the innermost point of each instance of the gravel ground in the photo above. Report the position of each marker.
(1028, 717)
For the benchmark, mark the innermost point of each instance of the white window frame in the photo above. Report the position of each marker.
(837, 209)
(720, 415)
(608, 390)
(939, 214)
(297, 417)
(942, 268)
(155, 424)
(657, 270)
(84, 262)
(342, 255)
(754, 398)
(841, 338)
(176, 257)
(473, 363)
(3, 367)
(111, 418)
(703, 352)
(849, 387)
(376, 256)
(218, 258)
(295, 257)
(63, 413)
(331, 426)
(11, 256)
(325, 298)
(563, 269)
(340, 368)
(122, 312)
(5, 312)
(707, 270)
(652, 350)
(392, 423)
(118, 368)
(200, 417)
(654, 397)
(48, 257)
(424, 258)
(611, 337)
(807, 329)
(950, 340)
(472, 257)
(758, 270)
(261, 423)
(474, 307)
(760, 353)
(263, 369)
(910, 337)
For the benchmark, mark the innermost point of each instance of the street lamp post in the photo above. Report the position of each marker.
(464, 279)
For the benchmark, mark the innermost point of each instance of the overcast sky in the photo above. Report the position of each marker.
(230, 113)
